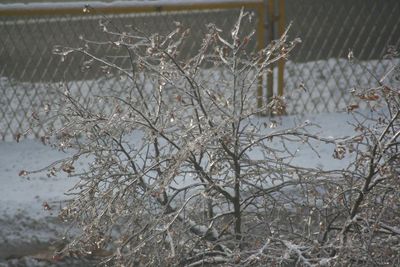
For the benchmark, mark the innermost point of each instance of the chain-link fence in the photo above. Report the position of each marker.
(32, 77)
(318, 76)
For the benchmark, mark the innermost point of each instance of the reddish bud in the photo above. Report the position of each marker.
(46, 206)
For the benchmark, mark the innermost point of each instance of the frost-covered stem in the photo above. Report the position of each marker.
(193, 86)
(105, 62)
(209, 260)
(204, 174)
(236, 203)
(172, 243)
(296, 249)
(236, 114)
(366, 187)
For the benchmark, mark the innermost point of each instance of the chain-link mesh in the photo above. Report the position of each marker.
(32, 77)
(318, 76)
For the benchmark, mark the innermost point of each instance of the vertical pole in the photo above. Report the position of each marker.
(281, 63)
(271, 36)
(260, 46)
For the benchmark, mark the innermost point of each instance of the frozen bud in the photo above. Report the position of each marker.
(47, 108)
(350, 56)
(23, 173)
(339, 152)
(17, 137)
(296, 41)
(86, 9)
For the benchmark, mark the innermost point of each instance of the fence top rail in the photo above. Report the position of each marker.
(120, 7)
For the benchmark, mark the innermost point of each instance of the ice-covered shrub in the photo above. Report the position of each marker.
(184, 171)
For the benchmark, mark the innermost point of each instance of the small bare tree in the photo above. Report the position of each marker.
(184, 172)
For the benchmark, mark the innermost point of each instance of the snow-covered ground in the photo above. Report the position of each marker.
(28, 227)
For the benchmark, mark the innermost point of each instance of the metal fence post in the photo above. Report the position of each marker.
(281, 63)
(271, 36)
(260, 46)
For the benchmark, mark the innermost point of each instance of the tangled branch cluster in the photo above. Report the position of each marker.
(184, 172)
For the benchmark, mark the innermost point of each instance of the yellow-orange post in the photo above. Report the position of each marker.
(271, 36)
(281, 63)
(260, 46)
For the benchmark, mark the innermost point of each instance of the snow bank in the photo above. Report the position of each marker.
(80, 5)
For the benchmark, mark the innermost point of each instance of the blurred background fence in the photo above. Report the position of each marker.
(32, 77)
(317, 77)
